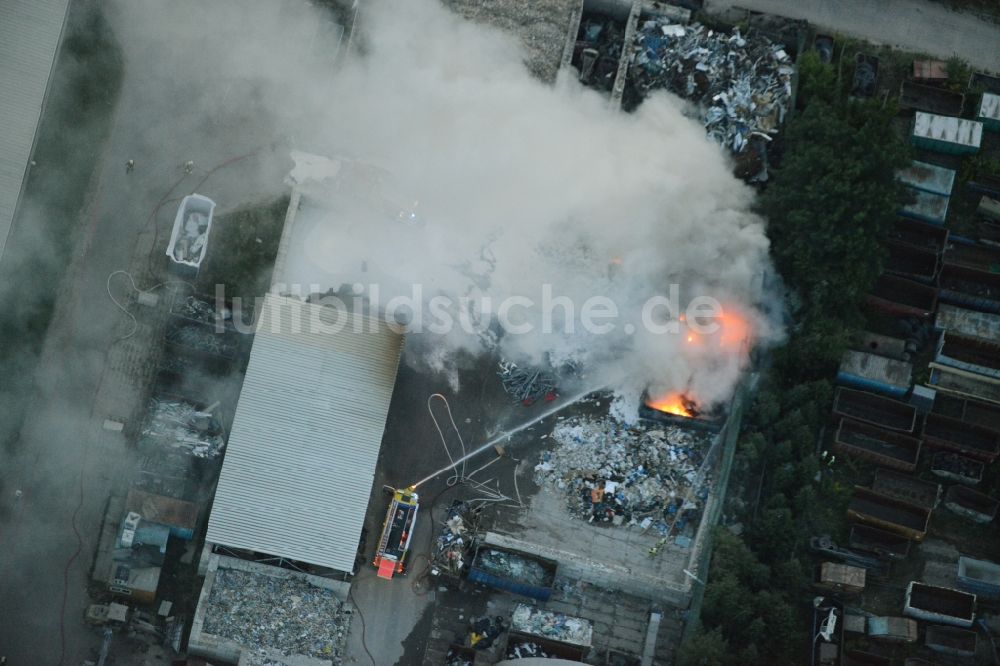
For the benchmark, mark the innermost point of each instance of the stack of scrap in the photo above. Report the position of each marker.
(597, 50)
(551, 625)
(203, 339)
(195, 309)
(455, 658)
(284, 614)
(512, 566)
(526, 385)
(527, 649)
(621, 474)
(452, 543)
(181, 425)
(742, 84)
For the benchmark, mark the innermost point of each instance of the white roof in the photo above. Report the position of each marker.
(990, 106)
(306, 436)
(30, 31)
(948, 128)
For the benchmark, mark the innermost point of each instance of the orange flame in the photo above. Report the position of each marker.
(671, 403)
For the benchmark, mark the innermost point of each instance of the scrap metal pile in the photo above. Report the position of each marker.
(741, 84)
(597, 50)
(181, 425)
(624, 475)
(453, 542)
(284, 614)
(527, 649)
(203, 339)
(454, 658)
(513, 567)
(552, 625)
(196, 309)
(526, 385)
(192, 237)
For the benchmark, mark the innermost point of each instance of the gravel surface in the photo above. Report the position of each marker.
(541, 25)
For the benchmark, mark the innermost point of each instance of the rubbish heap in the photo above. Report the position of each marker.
(453, 542)
(524, 385)
(741, 84)
(203, 339)
(623, 474)
(513, 567)
(285, 614)
(181, 425)
(552, 625)
(526, 649)
(195, 309)
(454, 658)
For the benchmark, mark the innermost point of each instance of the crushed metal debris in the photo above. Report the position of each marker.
(526, 649)
(526, 385)
(742, 85)
(285, 614)
(626, 475)
(181, 425)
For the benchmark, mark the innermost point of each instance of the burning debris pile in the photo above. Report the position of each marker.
(455, 658)
(524, 385)
(203, 339)
(512, 566)
(195, 309)
(550, 624)
(284, 614)
(597, 50)
(619, 474)
(181, 425)
(742, 84)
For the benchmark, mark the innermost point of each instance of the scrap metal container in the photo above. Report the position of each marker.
(930, 71)
(970, 289)
(977, 259)
(926, 207)
(964, 384)
(942, 432)
(874, 409)
(189, 235)
(919, 97)
(912, 262)
(946, 134)
(921, 235)
(980, 577)
(888, 513)
(907, 488)
(989, 208)
(882, 543)
(974, 355)
(989, 112)
(957, 467)
(520, 573)
(882, 447)
(859, 658)
(870, 372)
(900, 297)
(891, 628)
(843, 578)
(951, 640)
(981, 326)
(928, 177)
(939, 604)
(971, 504)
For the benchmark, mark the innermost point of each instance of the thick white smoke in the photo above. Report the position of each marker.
(520, 184)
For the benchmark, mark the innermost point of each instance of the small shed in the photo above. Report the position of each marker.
(946, 134)
(989, 112)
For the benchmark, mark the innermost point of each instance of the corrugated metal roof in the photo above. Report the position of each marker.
(306, 436)
(948, 129)
(30, 31)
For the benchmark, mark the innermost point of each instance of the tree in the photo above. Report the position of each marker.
(706, 648)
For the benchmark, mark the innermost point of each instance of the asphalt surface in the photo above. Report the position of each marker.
(913, 25)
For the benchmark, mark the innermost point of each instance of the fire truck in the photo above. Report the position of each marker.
(397, 531)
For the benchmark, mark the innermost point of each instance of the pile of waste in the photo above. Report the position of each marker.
(192, 237)
(181, 425)
(485, 631)
(741, 84)
(513, 567)
(203, 339)
(526, 385)
(196, 309)
(624, 474)
(526, 649)
(452, 543)
(454, 658)
(284, 614)
(552, 625)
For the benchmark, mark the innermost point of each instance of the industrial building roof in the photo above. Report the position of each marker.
(306, 435)
(30, 31)
(948, 129)
(928, 177)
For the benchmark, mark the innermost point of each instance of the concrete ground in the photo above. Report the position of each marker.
(64, 464)
(913, 25)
